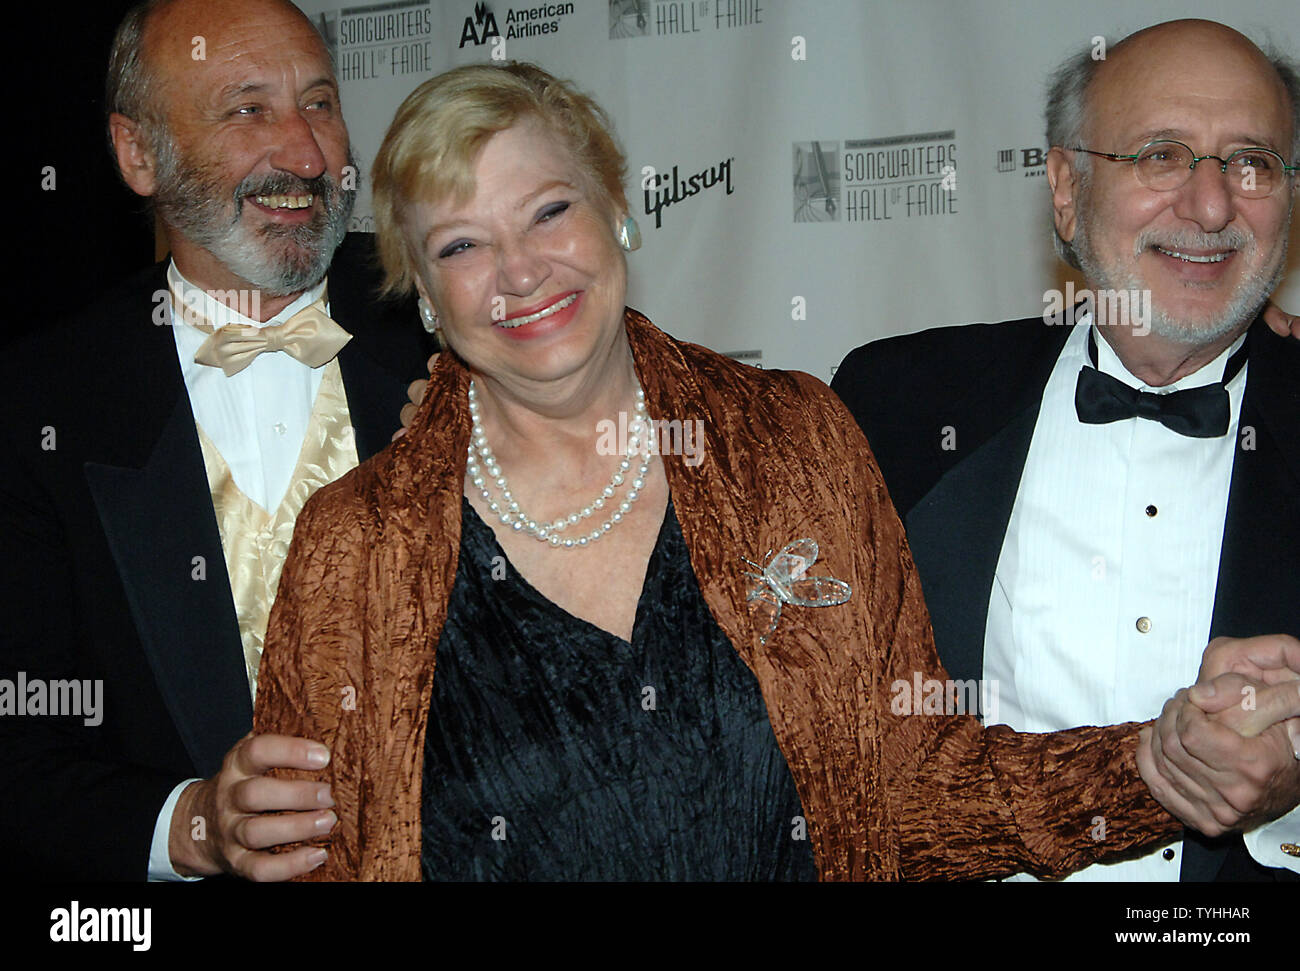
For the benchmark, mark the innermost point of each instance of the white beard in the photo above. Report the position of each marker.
(1243, 306)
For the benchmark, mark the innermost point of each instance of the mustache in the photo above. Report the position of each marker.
(1229, 238)
(283, 183)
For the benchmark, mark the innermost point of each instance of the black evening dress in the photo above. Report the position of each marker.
(557, 751)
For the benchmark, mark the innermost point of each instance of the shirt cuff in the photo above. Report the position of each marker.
(1265, 842)
(160, 858)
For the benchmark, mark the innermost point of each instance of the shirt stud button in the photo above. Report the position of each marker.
(1152, 510)
(1144, 625)
(1169, 853)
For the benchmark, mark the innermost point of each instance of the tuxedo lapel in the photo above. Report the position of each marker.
(956, 533)
(155, 504)
(135, 472)
(386, 352)
(158, 520)
(957, 528)
(1259, 566)
(375, 398)
(1260, 560)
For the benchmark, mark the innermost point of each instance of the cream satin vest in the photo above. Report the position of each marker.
(255, 541)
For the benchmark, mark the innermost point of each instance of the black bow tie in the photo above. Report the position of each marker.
(1196, 412)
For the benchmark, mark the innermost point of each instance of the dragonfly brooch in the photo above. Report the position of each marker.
(785, 580)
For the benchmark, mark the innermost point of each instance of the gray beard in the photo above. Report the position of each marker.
(1244, 305)
(277, 260)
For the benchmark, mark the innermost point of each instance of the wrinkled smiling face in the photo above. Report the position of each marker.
(1210, 258)
(252, 166)
(1195, 299)
(278, 256)
(527, 277)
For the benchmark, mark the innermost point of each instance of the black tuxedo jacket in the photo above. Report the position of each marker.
(104, 510)
(983, 384)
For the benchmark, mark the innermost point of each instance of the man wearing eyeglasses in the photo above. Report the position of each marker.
(1091, 496)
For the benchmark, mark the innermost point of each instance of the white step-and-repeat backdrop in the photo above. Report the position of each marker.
(873, 167)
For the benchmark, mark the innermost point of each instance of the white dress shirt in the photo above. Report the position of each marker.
(1104, 591)
(258, 421)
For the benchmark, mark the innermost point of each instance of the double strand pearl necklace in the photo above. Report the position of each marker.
(507, 508)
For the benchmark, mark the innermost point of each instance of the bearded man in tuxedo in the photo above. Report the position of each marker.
(145, 511)
(1091, 495)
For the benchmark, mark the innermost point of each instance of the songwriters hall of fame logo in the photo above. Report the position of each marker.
(876, 179)
(816, 182)
(387, 42)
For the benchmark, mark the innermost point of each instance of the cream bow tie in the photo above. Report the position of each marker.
(309, 336)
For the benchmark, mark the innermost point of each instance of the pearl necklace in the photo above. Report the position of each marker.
(507, 509)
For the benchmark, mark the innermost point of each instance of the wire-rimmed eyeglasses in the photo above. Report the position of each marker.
(1162, 165)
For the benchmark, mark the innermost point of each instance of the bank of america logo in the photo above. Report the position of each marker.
(1006, 159)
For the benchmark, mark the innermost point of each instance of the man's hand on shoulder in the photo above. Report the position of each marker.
(1283, 323)
(415, 391)
(229, 822)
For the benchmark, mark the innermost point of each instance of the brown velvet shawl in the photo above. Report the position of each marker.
(350, 649)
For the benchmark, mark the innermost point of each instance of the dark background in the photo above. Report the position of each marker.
(70, 244)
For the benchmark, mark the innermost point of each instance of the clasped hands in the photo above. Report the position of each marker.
(1225, 753)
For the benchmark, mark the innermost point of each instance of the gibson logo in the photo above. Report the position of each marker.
(663, 190)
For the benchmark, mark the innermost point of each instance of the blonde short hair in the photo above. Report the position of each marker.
(434, 141)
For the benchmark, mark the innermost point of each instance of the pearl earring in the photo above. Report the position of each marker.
(430, 318)
(629, 234)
